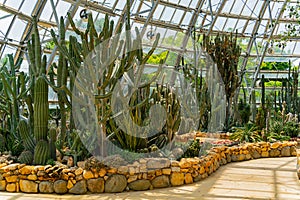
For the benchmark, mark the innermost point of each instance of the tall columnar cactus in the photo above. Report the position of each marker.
(41, 109)
(40, 94)
(225, 52)
(62, 77)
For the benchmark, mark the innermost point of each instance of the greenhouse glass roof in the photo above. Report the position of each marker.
(258, 23)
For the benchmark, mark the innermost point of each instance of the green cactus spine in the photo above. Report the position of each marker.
(41, 152)
(28, 140)
(26, 157)
(52, 140)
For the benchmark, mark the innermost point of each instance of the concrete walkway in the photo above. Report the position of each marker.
(272, 178)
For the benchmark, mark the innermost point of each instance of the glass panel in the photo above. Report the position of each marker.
(227, 7)
(250, 27)
(13, 4)
(219, 23)
(62, 8)
(262, 27)
(257, 8)
(5, 22)
(167, 14)
(177, 16)
(238, 6)
(47, 11)
(230, 24)
(17, 30)
(8, 50)
(240, 25)
(27, 7)
(249, 8)
(193, 3)
(121, 5)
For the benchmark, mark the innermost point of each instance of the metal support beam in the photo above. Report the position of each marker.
(54, 12)
(254, 34)
(150, 16)
(36, 11)
(190, 29)
(9, 28)
(123, 16)
(215, 17)
(93, 6)
(262, 56)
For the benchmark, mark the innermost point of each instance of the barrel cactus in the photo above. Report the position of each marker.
(26, 157)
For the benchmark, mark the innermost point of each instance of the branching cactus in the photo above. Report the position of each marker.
(76, 52)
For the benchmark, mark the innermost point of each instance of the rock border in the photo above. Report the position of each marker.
(145, 174)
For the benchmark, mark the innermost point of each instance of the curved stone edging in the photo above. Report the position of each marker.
(143, 175)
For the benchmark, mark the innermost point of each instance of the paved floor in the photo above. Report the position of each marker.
(272, 178)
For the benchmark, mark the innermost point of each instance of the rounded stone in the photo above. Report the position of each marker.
(285, 151)
(2, 185)
(60, 187)
(161, 182)
(177, 179)
(96, 185)
(11, 187)
(28, 186)
(79, 188)
(139, 185)
(46, 187)
(274, 153)
(115, 183)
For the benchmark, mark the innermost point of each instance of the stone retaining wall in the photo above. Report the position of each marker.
(143, 175)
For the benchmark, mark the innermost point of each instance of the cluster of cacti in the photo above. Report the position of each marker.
(286, 100)
(13, 92)
(131, 52)
(194, 76)
(225, 52)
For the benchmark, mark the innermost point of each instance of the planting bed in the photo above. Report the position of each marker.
(149, 173)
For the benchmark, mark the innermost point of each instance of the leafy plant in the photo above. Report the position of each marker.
(291, 129)
(273, 137)
(246, 134)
